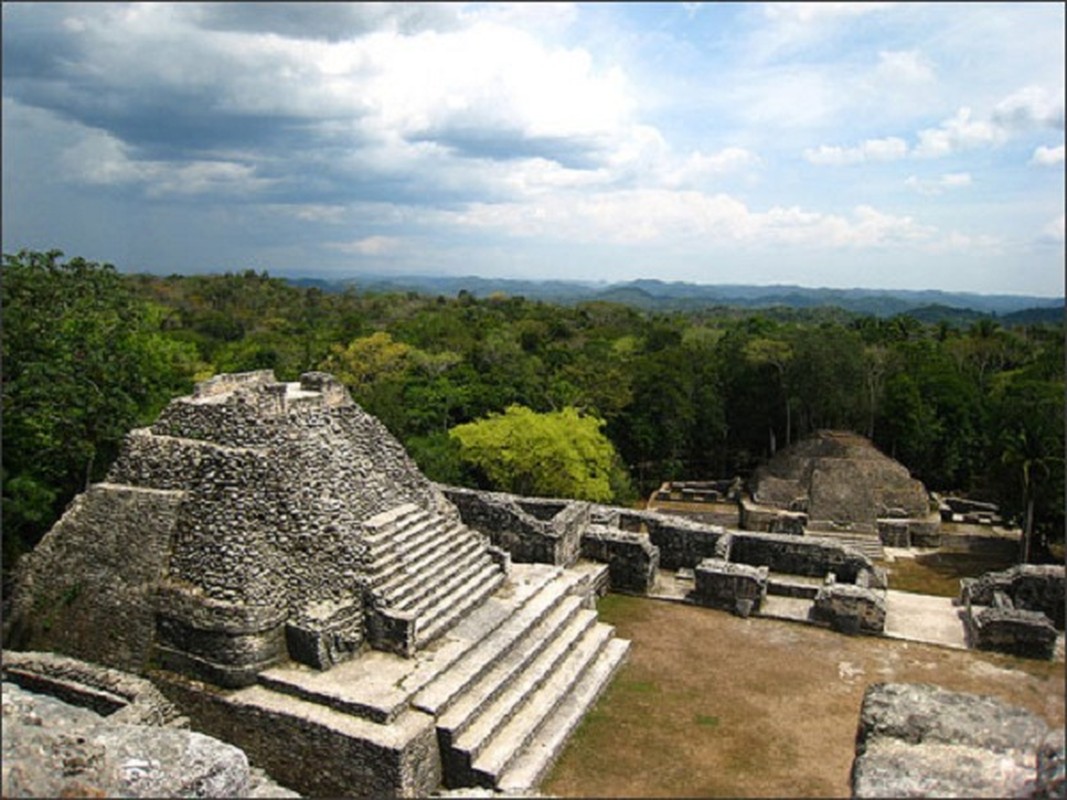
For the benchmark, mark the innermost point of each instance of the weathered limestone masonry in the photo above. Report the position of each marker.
(75, 729)
(732, 570)
(837, 483)
(918, 740)
(1016, 611)
(532, 530)
(270, 556)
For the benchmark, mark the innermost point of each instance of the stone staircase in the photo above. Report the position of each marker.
(425, 571)
(867, 543)
(505, 687)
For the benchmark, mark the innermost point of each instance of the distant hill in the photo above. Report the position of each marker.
(655, 295)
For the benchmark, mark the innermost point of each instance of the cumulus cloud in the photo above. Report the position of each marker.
(887, 149)
(1047, 156)
(936, 186)
(650, 216)
(1030, 107)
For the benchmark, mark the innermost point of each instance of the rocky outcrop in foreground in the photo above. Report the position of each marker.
(54, 749)
(919, 740)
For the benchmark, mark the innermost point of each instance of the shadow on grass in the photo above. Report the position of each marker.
(939, 573)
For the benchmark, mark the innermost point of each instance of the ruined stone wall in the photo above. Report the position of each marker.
(632, 560)
(321, 752)
(798, 555)
(532, 530)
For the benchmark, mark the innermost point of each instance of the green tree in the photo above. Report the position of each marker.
(83, 363)
(556, 454)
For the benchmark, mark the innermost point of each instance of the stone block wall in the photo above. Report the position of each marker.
(798, 555)
(735, 587)
(532, 530)
(632, 560)
(321, 752)
(1030, 587)
(87, 589)
(850, 609)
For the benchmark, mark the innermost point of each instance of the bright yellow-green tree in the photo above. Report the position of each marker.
(558, 454)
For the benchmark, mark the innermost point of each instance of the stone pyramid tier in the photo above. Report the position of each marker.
(255, 521)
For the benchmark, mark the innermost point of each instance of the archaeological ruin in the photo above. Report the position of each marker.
(270, 558)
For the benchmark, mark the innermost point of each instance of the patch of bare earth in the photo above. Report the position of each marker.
(710, 704)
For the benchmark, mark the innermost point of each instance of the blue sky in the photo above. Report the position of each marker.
(881, 145)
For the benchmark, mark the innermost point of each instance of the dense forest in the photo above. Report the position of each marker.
(611, 400)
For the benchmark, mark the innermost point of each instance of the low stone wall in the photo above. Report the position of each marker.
(798, 555)
(768, 519)
(909, 532)
(117, 695)
(735, 587)
(320, 752)
(1030, 587)
(1011, 630)
(850, 609)
(632, 560)
(532, 530)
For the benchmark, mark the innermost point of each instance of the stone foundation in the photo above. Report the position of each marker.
(632, 560)
(734, 587)
(850, 609)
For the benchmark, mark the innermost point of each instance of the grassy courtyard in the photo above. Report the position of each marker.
(713, 705)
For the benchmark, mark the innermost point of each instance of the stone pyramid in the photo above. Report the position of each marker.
(268, 553)
(839, 477)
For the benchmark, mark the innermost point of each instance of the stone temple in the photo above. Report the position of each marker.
(837, 483)
(272, 558)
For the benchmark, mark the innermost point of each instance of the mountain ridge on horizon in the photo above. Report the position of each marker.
(660, 295)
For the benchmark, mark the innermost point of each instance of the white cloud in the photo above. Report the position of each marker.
(888, 149)
(1030, 107)
(1047, 156)
(815, 12)
(959, 132)
(101, 159)
(665, 217)
(936, 186)
(904, 66)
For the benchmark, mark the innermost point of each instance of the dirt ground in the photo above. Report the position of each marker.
(710, 704)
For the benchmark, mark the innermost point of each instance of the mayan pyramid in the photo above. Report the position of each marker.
(839, 477)
(274, 541)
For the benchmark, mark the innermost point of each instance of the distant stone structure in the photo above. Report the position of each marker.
(836, 483)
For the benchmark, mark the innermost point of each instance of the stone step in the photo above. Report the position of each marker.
(529, 768)
(380, 526)
(379, 686)
(870, 546)
(402, 537)
(439, 617)
(477, 696)
(408, 577)
(439, 695)
(511, 739)
(514, 702)
(433, 537)
(416, 599)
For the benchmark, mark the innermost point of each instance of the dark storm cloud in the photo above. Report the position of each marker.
(328, 21)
